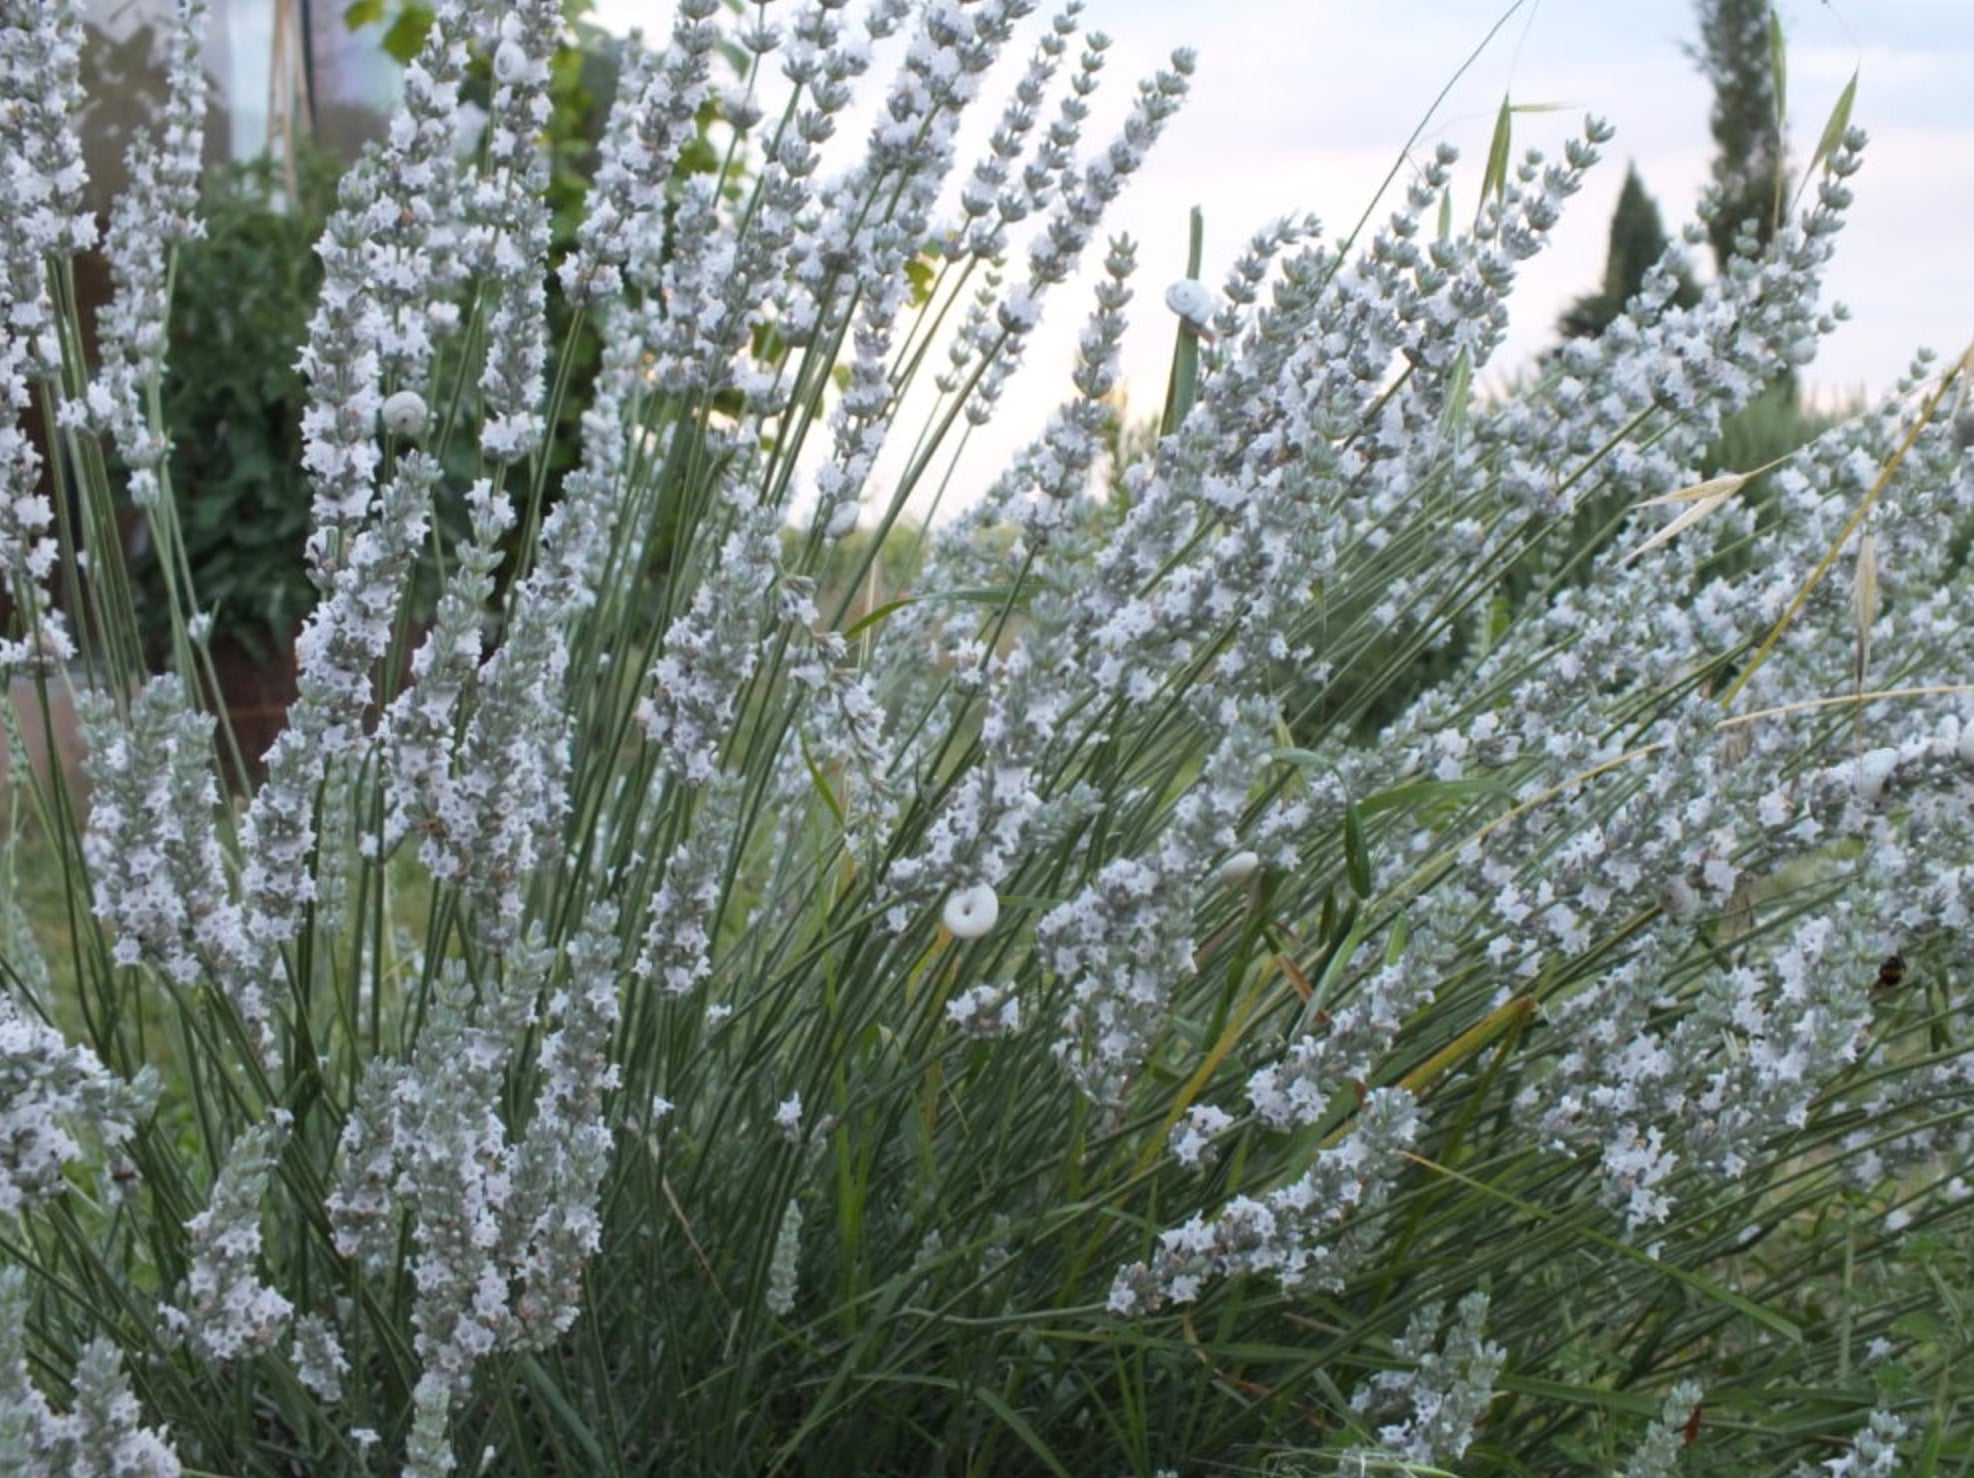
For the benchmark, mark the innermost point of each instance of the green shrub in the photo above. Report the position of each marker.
(233, 400)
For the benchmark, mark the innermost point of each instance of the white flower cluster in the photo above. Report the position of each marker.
(985, 1011)
(345, 636)
(1657, 1454)
(162, 882)
(712, 649)
(428, 793)
(415, 247)
(225, 1310)
(41, 180)
(1444, 1385)
(1874, 1453)
(985, 823)
(1671, 832)
(685, 905)
(502, 1227)
(561, 1161)
(478, 751)
(103, 1430)
(1124, 941)
(1082, 197)
(990, 201)
(51, 1092)
(1193, 1135)
(1311, 1233)
(506, 238)
(1344, 1047)
(997, 811)
(641, 149)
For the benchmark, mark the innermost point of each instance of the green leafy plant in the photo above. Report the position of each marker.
(1638, 241)
(233, 401)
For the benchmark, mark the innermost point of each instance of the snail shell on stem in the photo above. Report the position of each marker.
(1192, 300)
(971, 912)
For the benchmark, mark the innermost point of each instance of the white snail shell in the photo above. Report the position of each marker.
(1192, 300)
(1677, 898)
(510, 62)
(971, 912)
(1239, 868)
(404, 413)
(1874, 772)
(843, 519)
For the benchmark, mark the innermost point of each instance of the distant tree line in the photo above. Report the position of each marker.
(1737, 55)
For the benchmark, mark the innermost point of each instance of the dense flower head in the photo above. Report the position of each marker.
(41, 180)
(226, 1310)
(58, 1097)
(1448, 1389)
(102, 1432)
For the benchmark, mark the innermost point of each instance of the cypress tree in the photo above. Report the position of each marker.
(1638, 239)
(1749, 166)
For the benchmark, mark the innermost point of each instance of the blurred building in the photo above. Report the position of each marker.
(281, 70)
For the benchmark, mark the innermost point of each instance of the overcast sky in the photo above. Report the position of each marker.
(1309, 112)
(1303, 105)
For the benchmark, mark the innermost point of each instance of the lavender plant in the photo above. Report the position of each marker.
(1099, 1011)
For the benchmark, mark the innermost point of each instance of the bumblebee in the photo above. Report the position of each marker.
(1891, 974)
